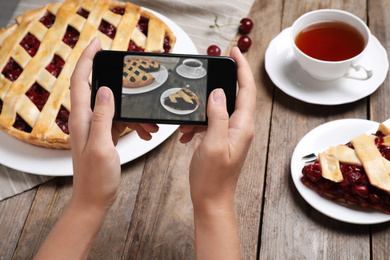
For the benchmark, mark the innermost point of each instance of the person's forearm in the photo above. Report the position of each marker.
(216, 233)
(73, 234)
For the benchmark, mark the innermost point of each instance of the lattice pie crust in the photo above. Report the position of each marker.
(39, 52)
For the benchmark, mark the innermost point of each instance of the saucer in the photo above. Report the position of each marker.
(181, 71)
(287, 74)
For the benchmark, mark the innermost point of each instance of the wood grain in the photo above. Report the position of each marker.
(287, 218)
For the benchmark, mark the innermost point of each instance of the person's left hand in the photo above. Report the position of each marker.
(96, 163)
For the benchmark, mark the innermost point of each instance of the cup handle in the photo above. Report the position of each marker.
(357, 75)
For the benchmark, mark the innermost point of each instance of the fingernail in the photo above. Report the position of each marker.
(219, 96)
(103, 95)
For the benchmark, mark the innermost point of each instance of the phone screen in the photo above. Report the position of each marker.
(164, 88)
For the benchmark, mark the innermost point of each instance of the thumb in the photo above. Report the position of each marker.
(103, 114)
(218, 117)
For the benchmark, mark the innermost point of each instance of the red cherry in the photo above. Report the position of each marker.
(246, 25)
(213, 50)
(244, 43)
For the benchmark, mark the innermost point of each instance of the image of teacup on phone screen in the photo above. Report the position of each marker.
(192, 66)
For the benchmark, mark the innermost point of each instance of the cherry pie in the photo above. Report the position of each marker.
(36, 62)
(356, 173)
(136, 72)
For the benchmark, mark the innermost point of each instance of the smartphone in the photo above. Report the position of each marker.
(163, 88)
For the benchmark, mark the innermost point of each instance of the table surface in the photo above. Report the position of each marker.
(152, 218)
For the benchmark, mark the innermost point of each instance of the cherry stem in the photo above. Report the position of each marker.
(219, 26)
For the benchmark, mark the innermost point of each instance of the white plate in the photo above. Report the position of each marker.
(331, 134)
(181, 71)
(287, 74)
(160, 77)
(172, 110)
(36, 160)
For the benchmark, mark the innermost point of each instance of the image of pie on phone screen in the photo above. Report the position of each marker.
(137, 71)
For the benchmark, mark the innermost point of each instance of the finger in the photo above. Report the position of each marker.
(80, 116)
(186, 128)
(218, 118)
(142, 133)
(101, 124)
(192, 128)
(151, 128)
(246, 98)
(187, 137)
(117, 129)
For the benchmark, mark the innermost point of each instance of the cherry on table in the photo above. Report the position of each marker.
(246, 25)
(213, 50)
(244, 43)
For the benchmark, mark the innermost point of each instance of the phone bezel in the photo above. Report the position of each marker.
(108, 69)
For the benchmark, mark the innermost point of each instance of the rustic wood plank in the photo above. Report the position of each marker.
(162, 221)
(14, 211)
(379, 21)
(48, 204)
(300, 231)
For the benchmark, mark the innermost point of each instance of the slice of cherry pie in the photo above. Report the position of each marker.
(355, 174)
(39, 52)
(183, 99)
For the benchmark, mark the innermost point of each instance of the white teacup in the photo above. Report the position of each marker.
(192, 66)
(331, 70)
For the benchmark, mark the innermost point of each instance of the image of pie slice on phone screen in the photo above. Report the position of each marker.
(168, 88)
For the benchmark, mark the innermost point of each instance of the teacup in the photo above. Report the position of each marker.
(326, 70)
(192, 66)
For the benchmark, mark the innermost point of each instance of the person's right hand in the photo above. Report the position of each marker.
(216, 165)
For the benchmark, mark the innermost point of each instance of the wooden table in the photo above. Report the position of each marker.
(152, 218)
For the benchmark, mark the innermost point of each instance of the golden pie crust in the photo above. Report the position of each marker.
(14, 103)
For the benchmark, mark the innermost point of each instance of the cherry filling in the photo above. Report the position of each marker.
(71, 36)
(48, 20)
(83, 13)
(118, 10)
(55, 66)
(12, 70)
(166, 47)
(108, 29)
(38, 95)
(134, 47)
(355, 187)
(142, 25)
(31, 44)
(62, 119)
(21, 125)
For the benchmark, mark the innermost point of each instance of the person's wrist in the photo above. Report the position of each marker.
(214, 207)
(88, 209)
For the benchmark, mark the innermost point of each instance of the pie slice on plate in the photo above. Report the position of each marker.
(183, 99)
(356, 173)
(39, 52)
